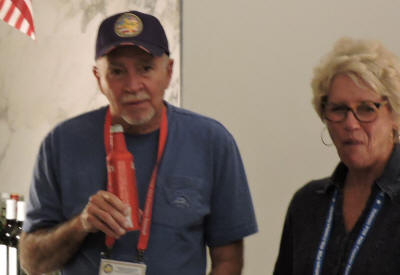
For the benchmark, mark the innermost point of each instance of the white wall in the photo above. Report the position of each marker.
(249, 64)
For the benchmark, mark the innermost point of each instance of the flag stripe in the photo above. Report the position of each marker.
(21, 5)
(31, 33)
(19, 21)
(14, 17)
(29, 5)
(18, 13)
(24, 26)
(9, 13)
(6, 6)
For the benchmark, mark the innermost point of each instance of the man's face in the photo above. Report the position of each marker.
(134, 82)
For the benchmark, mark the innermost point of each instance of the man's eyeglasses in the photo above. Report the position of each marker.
(366, 111)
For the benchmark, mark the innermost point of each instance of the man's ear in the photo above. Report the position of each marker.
(96, 74)
(170, 67)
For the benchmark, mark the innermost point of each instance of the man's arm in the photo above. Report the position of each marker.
(45, 250)
(227, 259)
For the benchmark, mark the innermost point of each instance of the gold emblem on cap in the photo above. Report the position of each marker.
(128, 25)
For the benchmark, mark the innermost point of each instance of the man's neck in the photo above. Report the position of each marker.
(140, 129)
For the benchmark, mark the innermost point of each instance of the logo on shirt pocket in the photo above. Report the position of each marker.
(180, 201)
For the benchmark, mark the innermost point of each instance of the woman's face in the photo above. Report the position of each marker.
(360, 145)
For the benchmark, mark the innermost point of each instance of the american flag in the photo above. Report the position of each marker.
(18, 13)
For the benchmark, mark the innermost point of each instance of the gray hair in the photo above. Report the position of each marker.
(359, 59)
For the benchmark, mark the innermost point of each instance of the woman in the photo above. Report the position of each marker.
(349, 223)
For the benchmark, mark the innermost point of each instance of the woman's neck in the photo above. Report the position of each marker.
(360, 179)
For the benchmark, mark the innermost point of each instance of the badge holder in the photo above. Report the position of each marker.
(113, 267)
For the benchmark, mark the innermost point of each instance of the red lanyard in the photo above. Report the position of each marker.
(148, 208)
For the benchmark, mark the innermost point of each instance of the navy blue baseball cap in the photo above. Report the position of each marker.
(131, 28)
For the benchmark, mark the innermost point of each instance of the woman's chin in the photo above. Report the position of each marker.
(355, 160)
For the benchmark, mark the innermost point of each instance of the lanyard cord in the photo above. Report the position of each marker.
(373, 213)
(319, 259)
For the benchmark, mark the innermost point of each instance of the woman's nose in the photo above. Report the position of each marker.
(351, 122)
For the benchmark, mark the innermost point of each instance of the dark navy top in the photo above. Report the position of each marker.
(201, 198)
(305, 221)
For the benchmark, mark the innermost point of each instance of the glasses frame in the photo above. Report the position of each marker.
(376, 104)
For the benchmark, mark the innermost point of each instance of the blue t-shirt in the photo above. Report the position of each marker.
(201, 198)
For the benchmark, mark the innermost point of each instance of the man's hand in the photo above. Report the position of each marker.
(107, 213)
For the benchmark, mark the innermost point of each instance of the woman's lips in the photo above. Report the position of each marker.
(352, 142)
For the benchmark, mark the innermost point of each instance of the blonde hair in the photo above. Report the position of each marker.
(359, 59)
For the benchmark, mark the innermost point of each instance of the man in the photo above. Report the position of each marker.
(200, 197)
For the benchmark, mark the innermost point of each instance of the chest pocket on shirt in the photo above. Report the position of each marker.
(180, 201)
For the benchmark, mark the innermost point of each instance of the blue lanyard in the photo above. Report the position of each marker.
(373, 213)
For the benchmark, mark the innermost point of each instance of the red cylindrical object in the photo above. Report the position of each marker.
(14, 196)
(122, 175)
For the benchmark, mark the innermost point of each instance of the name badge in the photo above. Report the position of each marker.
(112, 267)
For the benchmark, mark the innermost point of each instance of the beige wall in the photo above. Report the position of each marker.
(249, 64)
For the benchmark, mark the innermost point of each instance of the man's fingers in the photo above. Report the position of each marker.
(105, 212)
(111, 204)
(106, 224)
(114, 201)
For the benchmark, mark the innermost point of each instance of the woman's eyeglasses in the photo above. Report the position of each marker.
(366, 111)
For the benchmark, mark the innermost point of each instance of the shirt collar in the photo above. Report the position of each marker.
(389, 182)
(336, 180)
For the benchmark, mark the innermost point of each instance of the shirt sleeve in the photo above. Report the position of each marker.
(232, 214)
(44, 204)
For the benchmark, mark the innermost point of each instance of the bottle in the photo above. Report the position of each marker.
(3, 255)
(15, 196)
(6, 258)
(122, 175)
(4, 197)
(14, 265)
(20, 220)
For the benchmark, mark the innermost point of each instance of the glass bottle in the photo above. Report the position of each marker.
(6, 239)
(15, 267)
(4, 196)
(3, 255)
